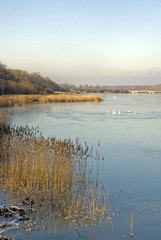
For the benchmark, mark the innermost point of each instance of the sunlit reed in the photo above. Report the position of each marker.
(54, 170)
(131, 224)
(10, 100)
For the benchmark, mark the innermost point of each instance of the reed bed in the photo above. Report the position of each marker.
(4, 125)
(57, 171)
(10, 100)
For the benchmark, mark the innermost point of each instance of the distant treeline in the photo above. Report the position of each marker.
(90, 88)
(109, 89)
(22, 82)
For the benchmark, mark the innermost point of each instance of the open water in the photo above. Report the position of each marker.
(128, 127)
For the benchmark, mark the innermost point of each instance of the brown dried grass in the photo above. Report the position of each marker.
(10, 100)
(55, 170)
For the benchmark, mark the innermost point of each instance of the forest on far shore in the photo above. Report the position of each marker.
(21, 82)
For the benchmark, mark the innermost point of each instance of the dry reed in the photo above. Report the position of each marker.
(4, 124)
(131, 224)
(54, 170)
(10, 100)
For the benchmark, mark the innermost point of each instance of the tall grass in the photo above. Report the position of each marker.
(10, 100)
(4, 125)
(54, 170)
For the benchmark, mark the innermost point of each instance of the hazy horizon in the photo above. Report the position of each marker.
(84, 42)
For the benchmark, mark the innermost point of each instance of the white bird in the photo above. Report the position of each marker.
(130, 111)
(113, 112)
(119, 112)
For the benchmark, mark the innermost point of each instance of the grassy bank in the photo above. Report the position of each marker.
(10, 100)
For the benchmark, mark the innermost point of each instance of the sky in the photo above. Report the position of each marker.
(104, 42)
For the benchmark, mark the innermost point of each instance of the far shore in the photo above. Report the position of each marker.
(11, 100)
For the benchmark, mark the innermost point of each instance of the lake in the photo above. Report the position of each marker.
(128, 128)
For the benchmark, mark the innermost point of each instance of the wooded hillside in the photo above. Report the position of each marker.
(22, 82)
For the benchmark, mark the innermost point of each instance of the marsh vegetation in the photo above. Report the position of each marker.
(10, 100)
(54, 175)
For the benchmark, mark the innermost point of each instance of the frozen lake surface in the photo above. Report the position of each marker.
(128, 127)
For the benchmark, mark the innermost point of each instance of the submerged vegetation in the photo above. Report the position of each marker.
(57, 174)
(10, 100)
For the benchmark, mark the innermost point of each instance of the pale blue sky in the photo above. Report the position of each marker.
(83, 41)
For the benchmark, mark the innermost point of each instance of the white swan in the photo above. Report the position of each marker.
(113, 112)
(130, 111)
